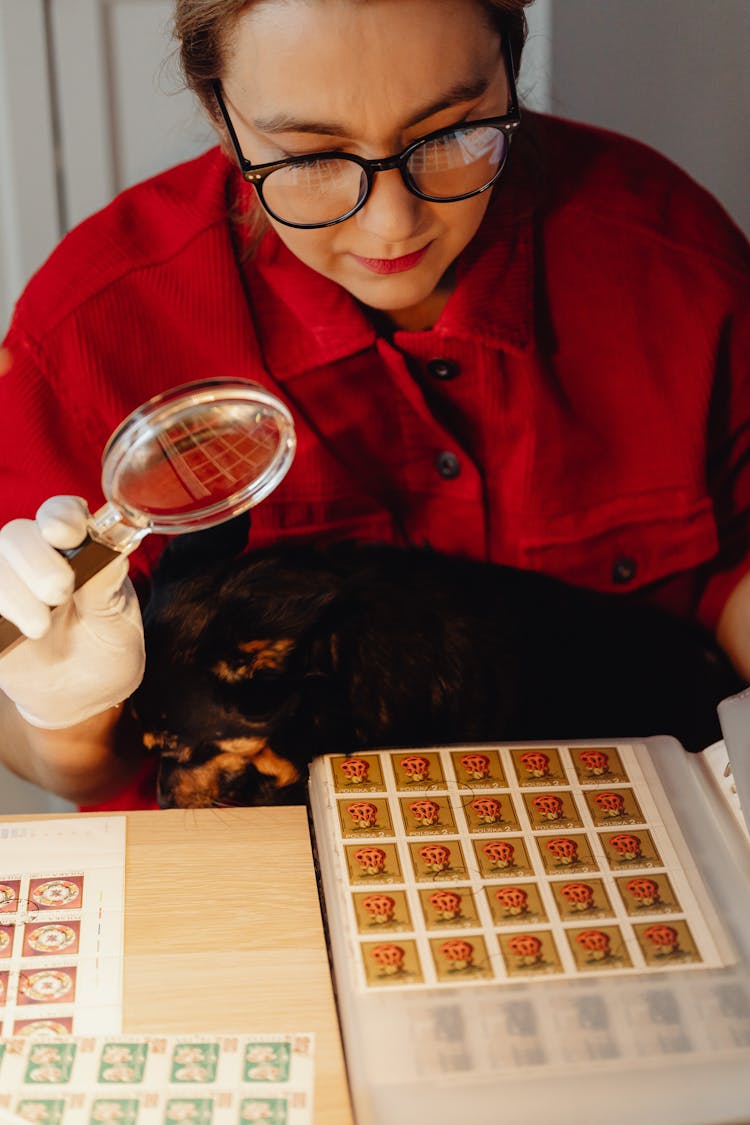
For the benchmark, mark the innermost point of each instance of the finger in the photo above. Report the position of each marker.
(6, 361)
(63, 521)
(18, 604)
(38, 566)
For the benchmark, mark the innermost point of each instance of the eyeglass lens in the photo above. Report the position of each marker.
(448, 167)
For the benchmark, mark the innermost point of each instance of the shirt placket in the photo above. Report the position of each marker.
(446, 491)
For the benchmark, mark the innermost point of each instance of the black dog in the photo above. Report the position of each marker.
(258, 663)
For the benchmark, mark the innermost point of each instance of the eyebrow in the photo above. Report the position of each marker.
(456, 95)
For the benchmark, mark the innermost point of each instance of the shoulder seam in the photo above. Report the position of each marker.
(18, 318)
(725, 264)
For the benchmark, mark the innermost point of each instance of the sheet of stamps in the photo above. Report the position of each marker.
(510, 863)
(62, 885)
(158, 1080)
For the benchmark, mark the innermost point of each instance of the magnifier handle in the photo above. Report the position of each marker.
(87, 559)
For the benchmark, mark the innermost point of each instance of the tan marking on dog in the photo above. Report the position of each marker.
(263, 758)
(199, 786)
(265, 654)
(269, 650)
(195, 788)
(165, 743)
(232, 674)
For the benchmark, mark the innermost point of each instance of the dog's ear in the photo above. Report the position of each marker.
(197, 551)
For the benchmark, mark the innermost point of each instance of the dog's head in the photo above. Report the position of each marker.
(236, 667)
(256, 663)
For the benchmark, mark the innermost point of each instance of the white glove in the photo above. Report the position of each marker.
(86, 655)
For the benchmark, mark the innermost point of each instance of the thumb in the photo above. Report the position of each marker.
(107, 608)
(106, 592)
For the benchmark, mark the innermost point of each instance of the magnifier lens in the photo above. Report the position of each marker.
(202, 458)
(181, 464)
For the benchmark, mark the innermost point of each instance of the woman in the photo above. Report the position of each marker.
(536, 356)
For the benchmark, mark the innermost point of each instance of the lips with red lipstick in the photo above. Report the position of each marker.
(393, 265)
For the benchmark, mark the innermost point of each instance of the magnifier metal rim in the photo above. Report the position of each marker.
(150, 418)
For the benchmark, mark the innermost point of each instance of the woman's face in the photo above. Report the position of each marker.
(306, 76)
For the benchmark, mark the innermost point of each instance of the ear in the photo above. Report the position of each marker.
(196, 551)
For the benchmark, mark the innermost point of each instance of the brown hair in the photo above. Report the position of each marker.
(203, 27)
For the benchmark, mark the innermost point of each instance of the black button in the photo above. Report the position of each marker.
(443, 368)
(624, 571)
(448, 465)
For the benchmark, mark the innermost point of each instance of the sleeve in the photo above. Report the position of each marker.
(728, 463)
(42, 451)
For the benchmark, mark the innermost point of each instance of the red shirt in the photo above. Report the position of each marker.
(581, 406)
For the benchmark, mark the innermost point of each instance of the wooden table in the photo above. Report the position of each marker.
(223, 932)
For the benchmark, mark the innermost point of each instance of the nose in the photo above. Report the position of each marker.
(391, 213)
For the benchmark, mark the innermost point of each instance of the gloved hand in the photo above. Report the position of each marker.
(87, 654)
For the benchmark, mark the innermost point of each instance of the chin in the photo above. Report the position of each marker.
(393, 292)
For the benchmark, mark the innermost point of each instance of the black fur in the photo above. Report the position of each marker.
(385, 647)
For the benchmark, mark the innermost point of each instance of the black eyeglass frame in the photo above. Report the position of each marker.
(256, 174)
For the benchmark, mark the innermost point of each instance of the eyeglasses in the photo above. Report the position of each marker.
(326, 188)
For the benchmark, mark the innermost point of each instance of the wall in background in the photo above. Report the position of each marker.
(29, 212)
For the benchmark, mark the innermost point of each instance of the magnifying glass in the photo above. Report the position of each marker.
(187, 459)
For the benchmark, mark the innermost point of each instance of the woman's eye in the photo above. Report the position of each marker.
(310, 163)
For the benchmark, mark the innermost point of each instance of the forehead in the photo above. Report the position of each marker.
(341, 54)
